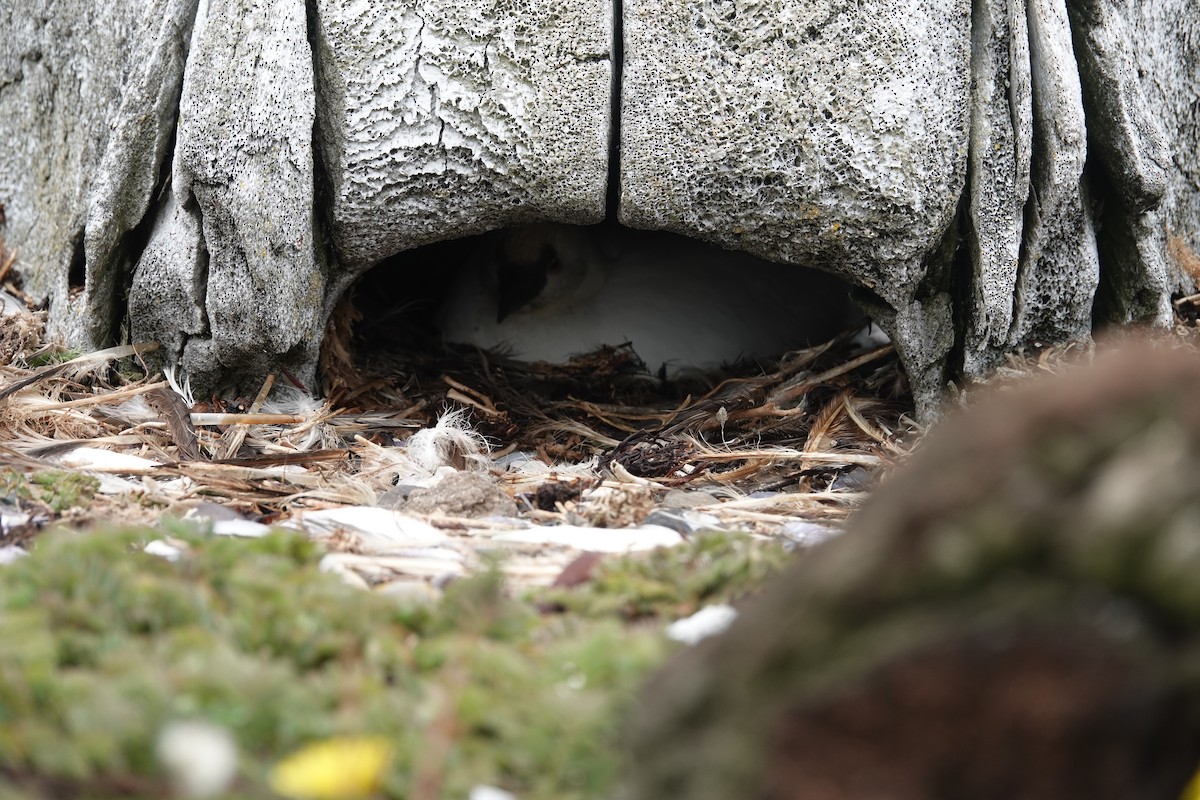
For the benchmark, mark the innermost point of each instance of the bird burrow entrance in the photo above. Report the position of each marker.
(534, 323)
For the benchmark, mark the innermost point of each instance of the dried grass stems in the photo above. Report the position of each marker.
(598, 442)
(759, 445)
(794, 428)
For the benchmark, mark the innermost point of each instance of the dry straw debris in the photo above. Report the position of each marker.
(586, 448)
(597, 444)
(786, 448)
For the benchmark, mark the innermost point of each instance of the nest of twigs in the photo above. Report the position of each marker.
(597, 442)
(799, 437)
(795, 425)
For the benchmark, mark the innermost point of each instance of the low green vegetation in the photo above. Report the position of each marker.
(673, 582)
(53, 356)
(57, 490)
(105, 645)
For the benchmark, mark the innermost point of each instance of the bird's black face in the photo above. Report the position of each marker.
(519, 282)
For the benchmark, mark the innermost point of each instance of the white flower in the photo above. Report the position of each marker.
(201, 758)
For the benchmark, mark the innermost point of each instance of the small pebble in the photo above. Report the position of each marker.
(10, 553)
(855, 479)
(706, 622)
(462, 494)
(490, 793)
(396, 496)
(683, 521)
(807, 533)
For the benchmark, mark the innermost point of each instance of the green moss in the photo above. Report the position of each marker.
(53, 357)
(57, 490)
(104, 645)
(711, 568)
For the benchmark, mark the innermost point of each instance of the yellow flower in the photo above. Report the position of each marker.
(333, 769)
(1192, 792)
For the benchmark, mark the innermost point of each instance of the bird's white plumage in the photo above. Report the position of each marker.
(681, 303)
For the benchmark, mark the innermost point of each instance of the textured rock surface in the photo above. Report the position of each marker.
(441, 120)
(83, 89)
(1070, 169)
(1059, 268)
(1165, 50)
(989, 175)
(1132, 159)
(237, 253)
(130, 170)
(1013, 614)
(832, 134)
(1001, 153)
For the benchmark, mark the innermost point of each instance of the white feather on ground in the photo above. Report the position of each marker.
(451, 442)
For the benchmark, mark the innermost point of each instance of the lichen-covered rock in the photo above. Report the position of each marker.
(987, 175)
(1164, 46)
(88, 94)
(1013, 614)
(243, 171)
(831, 134)
(441, 120)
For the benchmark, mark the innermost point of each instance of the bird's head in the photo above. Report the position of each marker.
(540, 265)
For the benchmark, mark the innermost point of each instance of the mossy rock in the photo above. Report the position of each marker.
(1016, 614)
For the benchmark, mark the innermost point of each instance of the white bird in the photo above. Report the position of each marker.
(546, 292)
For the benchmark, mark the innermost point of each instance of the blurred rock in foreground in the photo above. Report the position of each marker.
(1015, 614)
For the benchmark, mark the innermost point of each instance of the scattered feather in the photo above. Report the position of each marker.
(172, 410)
(597, 540)
(244, 528)
(451, 442)
(590, 451)
(184, 389)
(162, 549)
(78, 366)
(374, 529)
(92, 458)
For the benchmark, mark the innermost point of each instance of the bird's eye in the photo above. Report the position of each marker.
(517, 285)
(554, 267)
